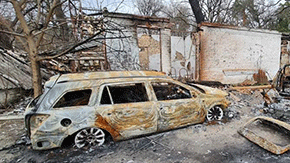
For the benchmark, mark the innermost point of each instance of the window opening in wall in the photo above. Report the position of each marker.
(170, 91)
(74, 98)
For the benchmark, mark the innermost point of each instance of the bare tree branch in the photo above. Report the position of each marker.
(20, 16)
(119, 5)
(71, 48)
(48, 17)
(12, 33)
(43, 30)
(26, 12)
(149, 7)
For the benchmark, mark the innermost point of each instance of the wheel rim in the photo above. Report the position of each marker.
(214, 113)
(90, 137)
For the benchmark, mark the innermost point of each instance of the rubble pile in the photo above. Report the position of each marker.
(240, 100)
(18, 108)
(280, 110)
(262, 102)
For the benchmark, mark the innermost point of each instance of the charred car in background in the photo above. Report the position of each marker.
(120, 104)
(282, 80)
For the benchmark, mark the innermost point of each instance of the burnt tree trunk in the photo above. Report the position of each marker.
(30, 47)
(36, 76)
(196, 9)
(35, 67)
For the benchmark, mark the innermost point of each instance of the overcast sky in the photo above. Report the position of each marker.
(127, 6)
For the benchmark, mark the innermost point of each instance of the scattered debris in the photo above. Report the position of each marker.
(244, 104)
(271, 96)
(15, 76)
(248, 82)
(268, 133)
(198, 128)
(280, 110)
(16, 110)
(24, 140)
(261, 77)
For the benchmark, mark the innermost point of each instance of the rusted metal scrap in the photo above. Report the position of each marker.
(277, 142)
(282, 80)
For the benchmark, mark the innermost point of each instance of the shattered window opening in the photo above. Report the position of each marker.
(125, 93)
(170, 91)
(74, 98)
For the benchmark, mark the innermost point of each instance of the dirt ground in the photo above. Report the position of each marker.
(207, 142)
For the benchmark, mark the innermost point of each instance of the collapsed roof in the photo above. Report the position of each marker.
(14, 71)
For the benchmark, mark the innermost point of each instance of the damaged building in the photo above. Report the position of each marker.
(233, 54)
(223, 53)
(87, 107)
(227, 54)
(117, 47)
(15, 76)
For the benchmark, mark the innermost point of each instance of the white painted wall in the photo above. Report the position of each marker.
(233, 55)
(122, 53)
(166, 50)
(187, 49)
(127, 55)
(181, 45)
(154, 59)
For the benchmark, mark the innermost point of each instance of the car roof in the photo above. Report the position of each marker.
(104, 75)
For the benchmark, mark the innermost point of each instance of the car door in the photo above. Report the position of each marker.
(128, 109)
(72, 111)
(176, 106)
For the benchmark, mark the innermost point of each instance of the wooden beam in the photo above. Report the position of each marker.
(252, 87)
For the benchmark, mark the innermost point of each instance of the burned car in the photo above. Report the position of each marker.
(282, 80)
(119, 104)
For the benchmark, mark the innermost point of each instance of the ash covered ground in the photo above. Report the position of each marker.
(207, 142)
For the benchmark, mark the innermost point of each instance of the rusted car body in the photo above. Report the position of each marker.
(123, 104)
(282, 81)
(273, 134)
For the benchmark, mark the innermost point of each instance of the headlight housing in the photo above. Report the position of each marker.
(36, 121)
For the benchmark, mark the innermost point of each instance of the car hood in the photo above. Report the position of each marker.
(212, 91)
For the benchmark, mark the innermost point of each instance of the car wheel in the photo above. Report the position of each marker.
(214, 113)
(90, 137)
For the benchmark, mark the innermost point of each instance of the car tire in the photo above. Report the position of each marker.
(89, 137)
(214, 113)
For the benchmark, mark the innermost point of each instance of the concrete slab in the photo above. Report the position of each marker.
(11, 117)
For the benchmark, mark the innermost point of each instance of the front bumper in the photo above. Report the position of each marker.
(46, 142)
